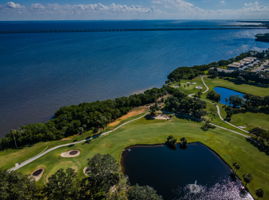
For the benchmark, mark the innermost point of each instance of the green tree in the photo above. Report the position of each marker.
(62, 185)
(101, 165)
(259, 193)
(183, 143)
(142, 193)
(171, 141)
(247, 178)
(15, 186)
(236, 166)
(212, 95)
(236, 101)
(103, 172)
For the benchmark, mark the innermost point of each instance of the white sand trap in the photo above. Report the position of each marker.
(85, 171)
(70, 154)
(199, 87)
(37, 174)
(162, 117)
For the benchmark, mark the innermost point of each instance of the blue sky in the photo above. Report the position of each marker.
(133, 9)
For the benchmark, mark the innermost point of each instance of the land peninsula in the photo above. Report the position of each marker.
(187, 106)
(262, 37)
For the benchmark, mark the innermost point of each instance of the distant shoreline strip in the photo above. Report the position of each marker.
(127, 30)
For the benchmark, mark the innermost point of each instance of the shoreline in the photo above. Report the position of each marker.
(125, 151)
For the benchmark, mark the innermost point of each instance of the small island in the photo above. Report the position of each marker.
(262, 37)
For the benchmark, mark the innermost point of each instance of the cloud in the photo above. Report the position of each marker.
(157, 9)
(97, 7)
(37, 6)
(12, 4)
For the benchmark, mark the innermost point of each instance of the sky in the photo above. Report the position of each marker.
(133, 9)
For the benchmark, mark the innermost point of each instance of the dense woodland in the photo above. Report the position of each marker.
(186, 107)
(212, 95)
(104, 181)
(249, 103)
(191, 72)
(75, 119)
(260, 139)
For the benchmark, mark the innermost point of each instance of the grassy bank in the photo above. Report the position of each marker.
(251, 120)
(231, 147)
(244, 88)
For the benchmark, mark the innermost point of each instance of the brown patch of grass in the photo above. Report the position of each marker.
(69, 138)
(132, 113)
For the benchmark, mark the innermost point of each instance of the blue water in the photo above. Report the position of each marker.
(39, 72)
(167, 170)
(225, 94)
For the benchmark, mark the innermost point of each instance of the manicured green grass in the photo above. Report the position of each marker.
(189, 88)
(231, 147)
(251, 120)
(244, 88)
(10, 157)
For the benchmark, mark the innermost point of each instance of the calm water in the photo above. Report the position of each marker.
(170, 171)
(225, 94)
(39, 72)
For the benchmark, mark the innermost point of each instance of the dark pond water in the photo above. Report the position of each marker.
(173, 173)
(225, 93)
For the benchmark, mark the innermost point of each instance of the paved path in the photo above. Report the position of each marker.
(230, 130)
(26, 162)
(218, 109)
(207, 88)
(221, 118)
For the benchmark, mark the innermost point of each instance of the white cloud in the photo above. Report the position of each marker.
(120, 8)
(12, 4)
(37, 6)
(158, 9)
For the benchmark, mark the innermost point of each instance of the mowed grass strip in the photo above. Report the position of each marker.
(251, 120)
(244, 88)
(231, 147)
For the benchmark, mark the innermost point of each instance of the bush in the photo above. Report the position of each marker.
(259, 192)
(212, 95)
(142, 193)
(171, 142)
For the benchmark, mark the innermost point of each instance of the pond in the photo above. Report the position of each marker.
(190, 173)
(225, 93)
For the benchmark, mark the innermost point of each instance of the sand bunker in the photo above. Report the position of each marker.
(85, 170)
(70, 154)
(162, 117)
(132, 113)
(38, 174)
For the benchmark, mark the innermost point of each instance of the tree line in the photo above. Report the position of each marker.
(260, 139)
(184, 106)
(75, 119)
(242, 76)
(104, 181)
(181, 73)
(250, 103)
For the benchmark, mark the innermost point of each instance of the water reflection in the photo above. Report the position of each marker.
(224, 190)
